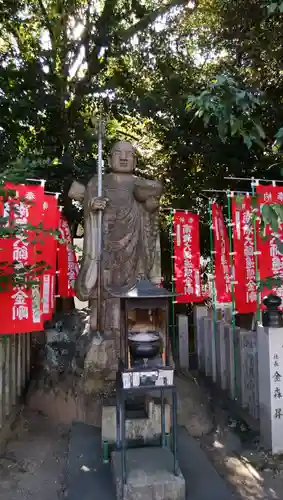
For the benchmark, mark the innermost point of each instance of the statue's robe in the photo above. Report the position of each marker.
(129, 240)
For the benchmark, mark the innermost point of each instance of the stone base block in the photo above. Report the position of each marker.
(137, 429)
(149, 475)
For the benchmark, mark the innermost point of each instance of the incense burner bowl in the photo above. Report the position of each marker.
(144, 344)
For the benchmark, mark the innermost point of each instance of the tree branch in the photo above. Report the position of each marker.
(107, 14)
(151, 17)
(46, 19)
(139, 9)
(104, 24)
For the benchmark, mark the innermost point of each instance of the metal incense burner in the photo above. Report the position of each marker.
(145, 345)
(147, 351)
(144, 365)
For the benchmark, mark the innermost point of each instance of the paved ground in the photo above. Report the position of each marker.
(34, 464)
(86, 474)
(235, 452)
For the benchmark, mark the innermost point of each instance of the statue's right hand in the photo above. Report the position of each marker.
(98, 203)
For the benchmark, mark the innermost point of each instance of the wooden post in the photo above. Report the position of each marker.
(13, 370)
(28, 355)
(23, 356)
(7, 373)
(2, 383)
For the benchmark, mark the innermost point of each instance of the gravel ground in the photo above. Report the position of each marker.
(32, 466)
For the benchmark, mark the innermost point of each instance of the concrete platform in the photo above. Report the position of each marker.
(88, 478)
(149, 475)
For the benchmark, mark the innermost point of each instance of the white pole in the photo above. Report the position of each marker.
(99, 235)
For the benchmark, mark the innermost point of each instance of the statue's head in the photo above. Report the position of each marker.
(122, 158)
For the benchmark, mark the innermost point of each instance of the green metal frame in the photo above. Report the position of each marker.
(230, 195)
(258, 297)
(173, 323)
(213, 272)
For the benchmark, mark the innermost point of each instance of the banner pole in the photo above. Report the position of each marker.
(213, 280)
(258, 295)
(171, 230)
(233, 321)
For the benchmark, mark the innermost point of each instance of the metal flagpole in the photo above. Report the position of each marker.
(100, 213)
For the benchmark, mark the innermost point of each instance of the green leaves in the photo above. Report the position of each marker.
(10, 273)
(278, 140)
(279, 245)
(239, 200)
(270, 283)
(232, 109)
(274, 7)
(270, 216)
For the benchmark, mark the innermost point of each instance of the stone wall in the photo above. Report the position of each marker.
(230, 357)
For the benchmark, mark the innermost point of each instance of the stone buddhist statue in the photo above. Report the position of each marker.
(130, 236)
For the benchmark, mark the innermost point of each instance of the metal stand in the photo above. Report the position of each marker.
(121, 440)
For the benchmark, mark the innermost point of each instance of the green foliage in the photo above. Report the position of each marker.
(231, 108)
(270, 283)
(244, 99)
(144, 61)
(15, 273)
(274, 7)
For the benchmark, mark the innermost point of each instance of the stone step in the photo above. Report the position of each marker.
(149, 475)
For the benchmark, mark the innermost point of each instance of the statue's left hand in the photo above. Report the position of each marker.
(151, 204)
(145, 189)
(76, 191)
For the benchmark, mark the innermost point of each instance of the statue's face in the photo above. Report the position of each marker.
(123, 158)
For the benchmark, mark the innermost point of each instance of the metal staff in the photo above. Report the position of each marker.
(99, 232)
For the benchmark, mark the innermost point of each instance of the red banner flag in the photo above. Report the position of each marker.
(244, 258)
(20, 305)
(67, 262)
(187, 257)
(223, 275)
(270, 259)
(48, 254)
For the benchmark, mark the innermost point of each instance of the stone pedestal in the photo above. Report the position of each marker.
(149, 475)
(102, 359)
(199, 312)
(221, 367)
(230, 359)
(137, 429)
(270, 370)
(208, 346)
(183, 330)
